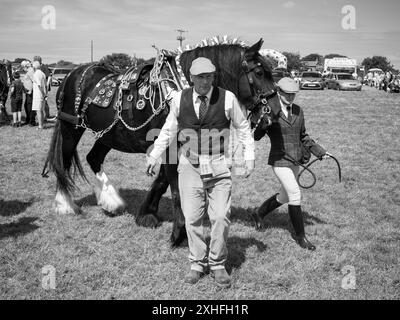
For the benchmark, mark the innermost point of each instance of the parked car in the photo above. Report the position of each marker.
(311, 80)
(58, 75)
(279, 74)
(343, 81)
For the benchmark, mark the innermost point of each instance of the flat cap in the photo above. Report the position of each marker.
(201, 65)
(288, 85)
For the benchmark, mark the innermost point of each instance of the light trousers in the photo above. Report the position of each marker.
(290, 190)
(195, 195)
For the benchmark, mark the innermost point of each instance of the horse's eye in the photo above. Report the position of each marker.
(259, 73)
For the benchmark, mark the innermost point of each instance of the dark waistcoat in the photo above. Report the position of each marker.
(209, 136)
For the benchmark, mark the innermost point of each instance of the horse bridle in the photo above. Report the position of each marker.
(258, 97)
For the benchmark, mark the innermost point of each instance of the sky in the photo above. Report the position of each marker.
(301, 26)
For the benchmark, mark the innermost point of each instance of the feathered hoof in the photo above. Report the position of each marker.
(64, 205)
(110, 201)
(64, 209)
(148, 221)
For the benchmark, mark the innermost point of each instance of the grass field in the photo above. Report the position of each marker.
(354, 224)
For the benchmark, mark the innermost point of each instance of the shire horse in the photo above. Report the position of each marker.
(5, 81)
(239, 68)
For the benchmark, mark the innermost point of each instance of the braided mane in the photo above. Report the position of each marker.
(226, 54)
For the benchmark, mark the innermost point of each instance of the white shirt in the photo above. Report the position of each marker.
(28, 80)
(39, 81)
(233, 112)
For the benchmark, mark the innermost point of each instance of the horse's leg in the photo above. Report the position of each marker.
(147, 215)
(64, 142)
(107, 196)
(178, 230)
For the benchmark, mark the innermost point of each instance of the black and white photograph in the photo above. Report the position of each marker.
(201, 156)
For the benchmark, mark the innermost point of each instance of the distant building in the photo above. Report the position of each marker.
(340, 65)
(313, 65)
(310, 65)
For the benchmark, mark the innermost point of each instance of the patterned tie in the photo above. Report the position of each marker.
(289, 110)
(203, 107)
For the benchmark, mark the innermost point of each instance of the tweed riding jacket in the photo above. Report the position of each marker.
(288, 139)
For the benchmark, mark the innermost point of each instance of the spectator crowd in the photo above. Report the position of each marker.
(29, 88)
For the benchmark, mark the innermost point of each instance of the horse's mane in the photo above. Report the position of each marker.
(226, 54)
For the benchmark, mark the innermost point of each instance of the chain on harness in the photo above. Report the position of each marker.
(157, 85)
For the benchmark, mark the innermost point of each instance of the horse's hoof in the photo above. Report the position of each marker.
(148, 221)
(114, 213)
(178, 236)
(67, 210)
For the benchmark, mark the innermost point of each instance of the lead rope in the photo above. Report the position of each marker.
(307, 168)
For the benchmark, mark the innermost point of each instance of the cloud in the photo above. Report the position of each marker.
(289, 5)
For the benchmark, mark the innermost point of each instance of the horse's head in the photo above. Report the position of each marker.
(240, 69)
(256, 84)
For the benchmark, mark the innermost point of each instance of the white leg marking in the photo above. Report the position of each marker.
(64, 204)
(107, 197)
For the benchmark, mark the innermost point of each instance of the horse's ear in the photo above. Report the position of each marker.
(254, 48)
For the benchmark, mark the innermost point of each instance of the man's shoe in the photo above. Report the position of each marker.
(193, 276)
(221, 278)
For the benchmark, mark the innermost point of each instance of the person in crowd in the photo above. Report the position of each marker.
(204, 175)
(16, 95)
(289, 140)
(27, 81)
(39, 93)
(45, 69)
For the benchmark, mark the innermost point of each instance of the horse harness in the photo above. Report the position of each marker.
(129, 86)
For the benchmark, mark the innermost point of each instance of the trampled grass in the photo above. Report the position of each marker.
(354, 223)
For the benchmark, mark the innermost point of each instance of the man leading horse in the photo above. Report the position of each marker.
(204, 176)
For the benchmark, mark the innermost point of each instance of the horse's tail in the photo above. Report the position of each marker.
(62, 155)
(65, 170)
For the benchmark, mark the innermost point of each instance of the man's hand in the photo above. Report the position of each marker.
(250, 164)
(150, 165)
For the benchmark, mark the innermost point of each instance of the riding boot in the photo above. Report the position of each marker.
(296, 217)
(268, 206)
